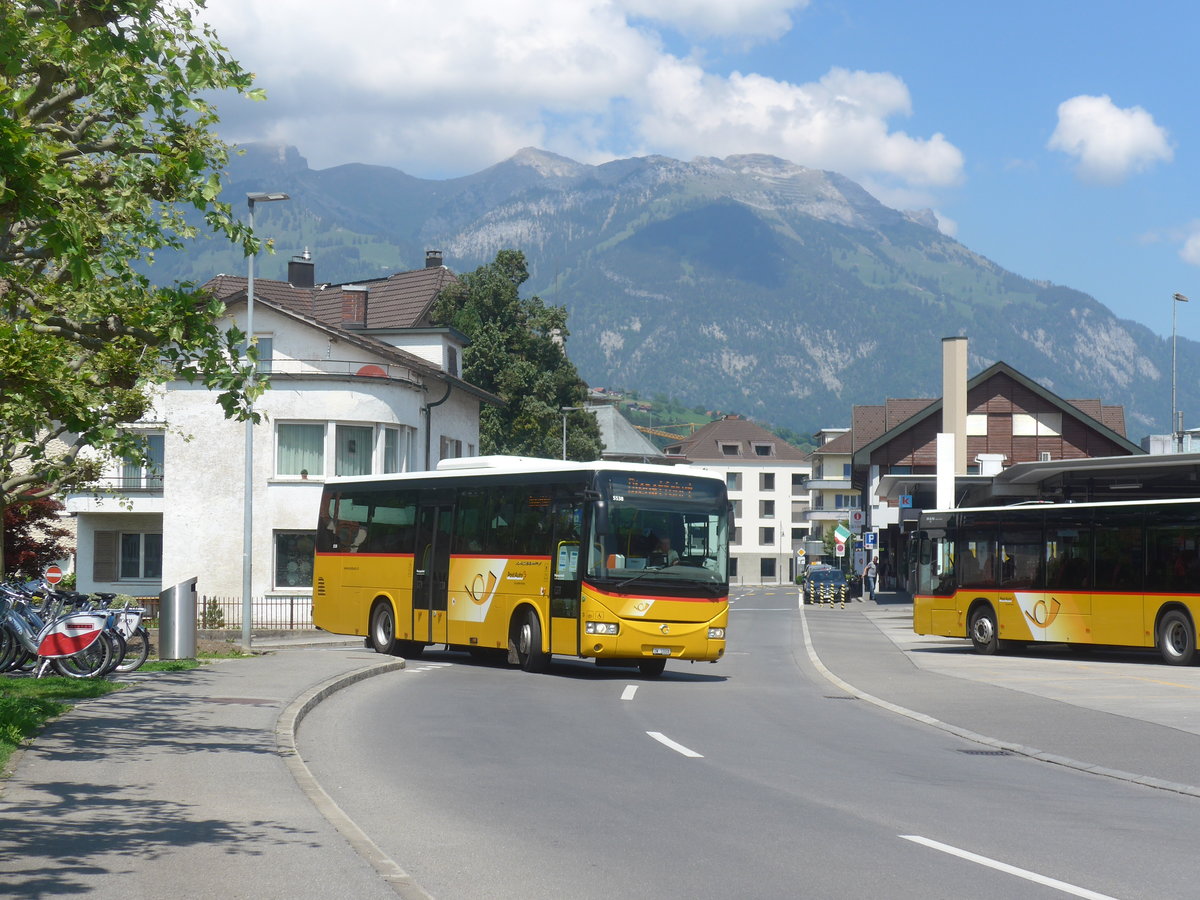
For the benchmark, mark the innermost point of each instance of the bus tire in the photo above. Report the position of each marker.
(528, 638)
(383, 628)
(983, 631)
(409, 649)
(1176, 638)
(652, 668)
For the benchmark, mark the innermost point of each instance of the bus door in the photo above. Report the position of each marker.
(565, 578)
(431, 571)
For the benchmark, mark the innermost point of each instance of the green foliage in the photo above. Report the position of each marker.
(212, 616)
(516, 353)
(106, 144)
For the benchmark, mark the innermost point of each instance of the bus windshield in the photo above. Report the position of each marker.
(666, 528)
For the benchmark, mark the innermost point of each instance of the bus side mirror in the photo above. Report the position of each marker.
(600, 517)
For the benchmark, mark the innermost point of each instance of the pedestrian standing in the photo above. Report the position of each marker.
(869, 577)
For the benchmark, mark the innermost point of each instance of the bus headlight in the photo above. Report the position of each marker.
(602, 628)
(716, 634)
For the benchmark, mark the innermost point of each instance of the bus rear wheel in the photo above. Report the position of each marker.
(1176, 638)
(528, 638)
(383, 628)
(982, 629)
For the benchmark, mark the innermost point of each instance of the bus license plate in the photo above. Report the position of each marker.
(661, 651)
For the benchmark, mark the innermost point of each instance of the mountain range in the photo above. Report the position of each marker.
(747, 284)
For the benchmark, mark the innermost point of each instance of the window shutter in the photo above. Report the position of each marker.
(104, 556)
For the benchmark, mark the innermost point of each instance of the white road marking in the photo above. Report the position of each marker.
(678, 748)
(1011, 870)
(630, 690)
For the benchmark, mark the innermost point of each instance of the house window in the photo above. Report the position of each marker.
(398, 449)
(450, 448)
(766, 567)
(354, 446)
(1045, 424)
(766, 509)
(733, 481)
(733, 567)
(737, 507)
(799, 483)
(300, 449)
(846, 501)
(766, 536)
(845, 470)
(798, 534)
(731, 449)
(135, 476)
(141, 556)
(977, 425)
(452, 360)
(764, 449)
(736, 537)
(294, 559)
(766, 481)
(900, 470)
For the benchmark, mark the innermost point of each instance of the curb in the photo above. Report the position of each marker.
(975, 737)
(285, 741)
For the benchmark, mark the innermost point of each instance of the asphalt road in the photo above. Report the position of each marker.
(754, 777)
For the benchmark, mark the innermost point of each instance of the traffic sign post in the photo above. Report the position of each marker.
(53, 574)
(871, 540)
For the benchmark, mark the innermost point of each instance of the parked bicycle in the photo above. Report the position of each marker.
(77, 635)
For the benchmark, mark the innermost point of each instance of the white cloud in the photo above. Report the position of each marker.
(1190, 251)
(449, 88)
(1108, 143)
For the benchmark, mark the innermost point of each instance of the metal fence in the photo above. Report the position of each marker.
(217, 613)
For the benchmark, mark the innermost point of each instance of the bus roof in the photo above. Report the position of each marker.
(526, 465)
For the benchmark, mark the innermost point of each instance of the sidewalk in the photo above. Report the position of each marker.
(1120, 713)
(186, 788)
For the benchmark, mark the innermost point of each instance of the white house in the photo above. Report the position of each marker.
(767, 481)
(360, 383)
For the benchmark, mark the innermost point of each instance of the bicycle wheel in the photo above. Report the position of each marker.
(137, 650)
(87, 663)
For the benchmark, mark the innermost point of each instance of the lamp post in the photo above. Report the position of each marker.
(564, 410)
(248, 486)
(1176, 431)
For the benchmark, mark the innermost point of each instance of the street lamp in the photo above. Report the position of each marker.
(564, 410)
(248, 486)
(1176, 430)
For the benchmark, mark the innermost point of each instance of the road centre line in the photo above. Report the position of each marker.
(630, 690)
(678, 748)
(1063, 886)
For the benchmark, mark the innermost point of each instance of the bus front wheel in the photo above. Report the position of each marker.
(652, 668)
(985, 635)
(383, 628)
(528, 638)
(1176, 638)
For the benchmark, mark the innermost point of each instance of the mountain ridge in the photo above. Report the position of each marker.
(747, 283)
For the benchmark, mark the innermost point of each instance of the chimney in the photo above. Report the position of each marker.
(300, 270)
(433, 259)
(954, 397)
(354, 306)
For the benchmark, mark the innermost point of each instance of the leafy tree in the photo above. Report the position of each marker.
(106, 145)
(33, 536)
(517, 354)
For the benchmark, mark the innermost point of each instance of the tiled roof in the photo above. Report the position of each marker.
(401, 300)
(707, 443)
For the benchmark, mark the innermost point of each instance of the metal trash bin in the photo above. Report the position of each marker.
(177, 621)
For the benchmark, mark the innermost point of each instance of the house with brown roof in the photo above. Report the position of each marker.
(766, 477)
(360, 383)
(1009, 419)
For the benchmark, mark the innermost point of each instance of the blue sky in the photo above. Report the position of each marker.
(1057, 138)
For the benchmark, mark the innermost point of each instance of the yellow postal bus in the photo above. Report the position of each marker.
(624, 564)
(1122, 574)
